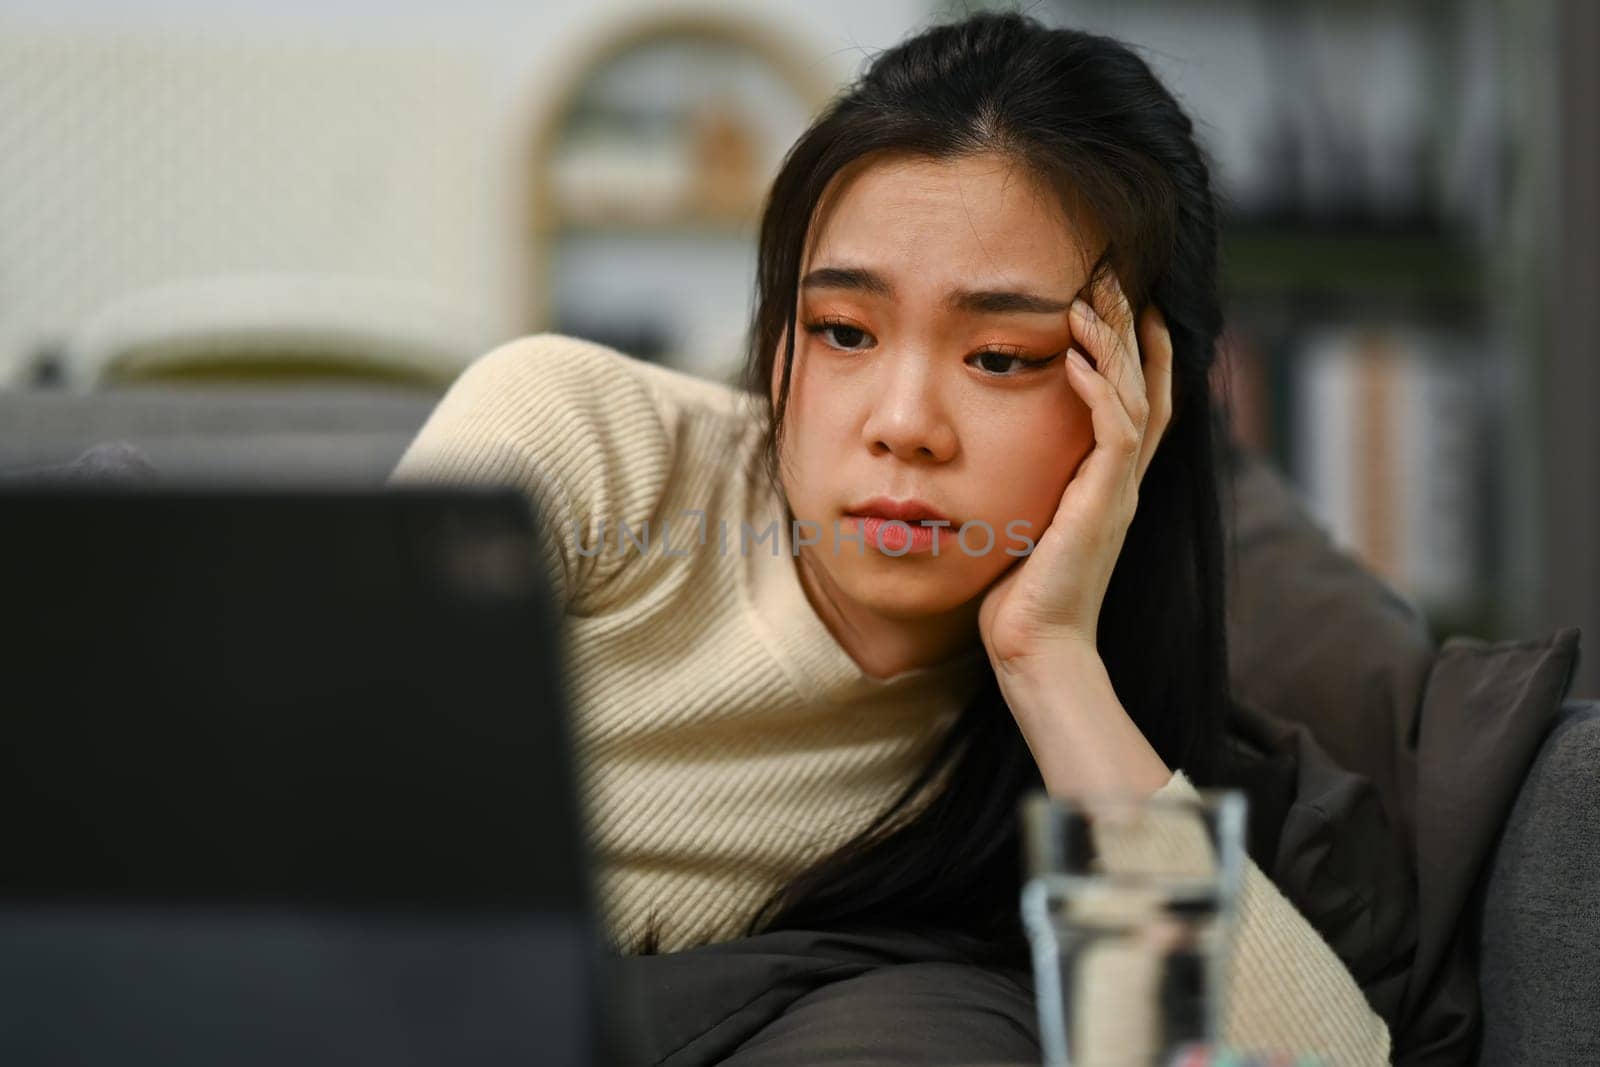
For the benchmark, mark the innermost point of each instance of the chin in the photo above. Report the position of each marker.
(902, 592)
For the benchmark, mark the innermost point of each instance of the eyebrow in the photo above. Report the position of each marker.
(979, 301)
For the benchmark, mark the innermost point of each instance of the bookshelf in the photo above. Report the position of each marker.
(1369, 364)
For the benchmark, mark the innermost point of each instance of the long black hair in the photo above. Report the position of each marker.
(1088, 116)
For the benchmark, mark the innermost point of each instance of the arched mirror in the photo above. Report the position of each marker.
(648, 179)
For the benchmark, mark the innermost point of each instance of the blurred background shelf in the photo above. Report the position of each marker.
(1262, 260)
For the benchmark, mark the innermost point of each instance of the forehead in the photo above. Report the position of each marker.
(986, 214)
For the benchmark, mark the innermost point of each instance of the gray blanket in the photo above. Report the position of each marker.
(880, 996)
(804, 997)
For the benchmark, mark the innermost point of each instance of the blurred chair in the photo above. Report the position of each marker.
(275, 329)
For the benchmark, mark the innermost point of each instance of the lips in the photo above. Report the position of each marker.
(911, 510)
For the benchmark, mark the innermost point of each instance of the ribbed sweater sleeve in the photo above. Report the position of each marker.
(569, 425)
(1288, 991)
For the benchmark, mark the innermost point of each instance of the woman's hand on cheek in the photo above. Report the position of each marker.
(1052, 596)
(1039, 622)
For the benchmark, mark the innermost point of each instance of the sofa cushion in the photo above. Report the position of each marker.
(1315, 637)
(1486, 708)
(1446, 734)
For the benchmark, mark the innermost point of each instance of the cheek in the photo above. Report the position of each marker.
(805, 461)
(1029, 467)
(813, 455)
(819, 416)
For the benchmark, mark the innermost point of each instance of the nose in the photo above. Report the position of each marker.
(908, 417)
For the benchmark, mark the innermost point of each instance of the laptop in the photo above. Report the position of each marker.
(285, 779)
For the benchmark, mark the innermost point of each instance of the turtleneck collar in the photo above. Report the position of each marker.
(821, 667)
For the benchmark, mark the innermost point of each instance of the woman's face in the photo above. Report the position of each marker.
(930, 365)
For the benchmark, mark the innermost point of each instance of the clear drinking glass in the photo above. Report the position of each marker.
(1129, 906)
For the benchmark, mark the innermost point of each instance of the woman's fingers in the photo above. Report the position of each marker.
(1115, 352)
(1156, 344)
(1109, 302)
(1106, 472)
(1107, 329)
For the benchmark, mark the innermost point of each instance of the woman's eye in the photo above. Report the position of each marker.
(999, 363)
(845, 337)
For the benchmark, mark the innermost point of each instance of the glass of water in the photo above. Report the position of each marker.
(1129, 906)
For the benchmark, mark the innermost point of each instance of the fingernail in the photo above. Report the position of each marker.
(1081, 306)
(1077, 357)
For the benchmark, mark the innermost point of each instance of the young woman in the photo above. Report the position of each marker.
(956, 537)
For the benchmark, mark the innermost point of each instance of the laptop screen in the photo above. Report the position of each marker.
(316, 736)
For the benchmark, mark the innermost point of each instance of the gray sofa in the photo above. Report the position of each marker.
(1530, 924)
(325, 435)
(1539, 937)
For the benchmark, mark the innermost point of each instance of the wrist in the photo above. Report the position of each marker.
(1067, 660)
(1041, 681)
(1081, 736)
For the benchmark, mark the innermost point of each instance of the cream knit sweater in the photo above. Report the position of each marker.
(724, 738)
